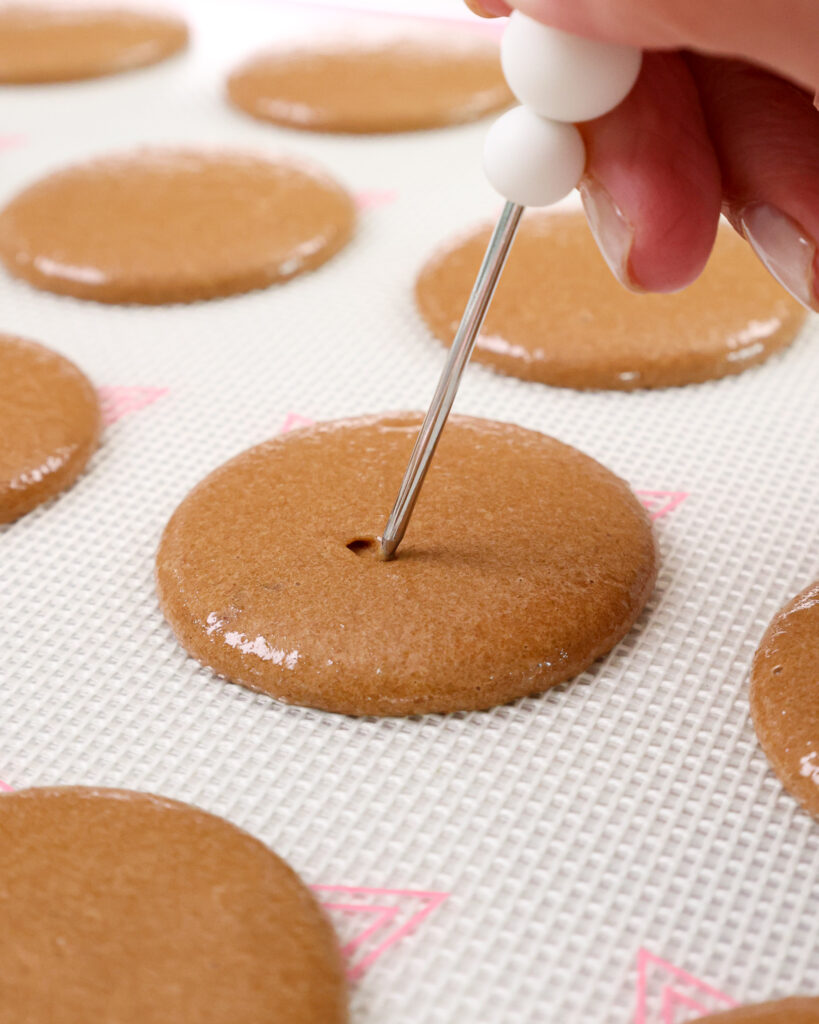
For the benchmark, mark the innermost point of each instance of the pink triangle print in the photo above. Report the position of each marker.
(117, 402)
(661, 503)
(293, 421)
(370, 921)
(373, 198)
(670, 995)
(5, 787)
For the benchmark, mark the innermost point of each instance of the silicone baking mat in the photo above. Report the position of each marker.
(615, 850)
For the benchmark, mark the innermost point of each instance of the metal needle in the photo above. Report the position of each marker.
(436, 417)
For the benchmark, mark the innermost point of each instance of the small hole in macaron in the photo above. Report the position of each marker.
(364, 546)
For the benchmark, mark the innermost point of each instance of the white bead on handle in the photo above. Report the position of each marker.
(533, 156)
(531, 160)
(563, 76)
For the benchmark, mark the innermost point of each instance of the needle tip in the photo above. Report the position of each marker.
(387, 549)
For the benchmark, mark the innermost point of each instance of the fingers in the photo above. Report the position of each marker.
(780, 34)
(652, 188)
(766, 133)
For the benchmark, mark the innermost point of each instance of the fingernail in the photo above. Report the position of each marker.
(488, 8)
(786, 249)
(612, 231)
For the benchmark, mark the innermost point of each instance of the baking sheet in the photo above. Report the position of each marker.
(614, 850)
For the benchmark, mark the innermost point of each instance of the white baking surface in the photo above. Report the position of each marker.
(614, 850)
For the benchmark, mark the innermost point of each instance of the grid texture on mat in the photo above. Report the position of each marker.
(628, 811)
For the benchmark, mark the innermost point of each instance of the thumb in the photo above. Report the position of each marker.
(779, 34)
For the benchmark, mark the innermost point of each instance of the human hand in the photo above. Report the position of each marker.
(722, 118)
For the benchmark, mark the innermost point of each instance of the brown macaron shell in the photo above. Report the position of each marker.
(121, 906)
(361, 84)
(560, 317)
(785, 696)
(50, 425)
(524, 562)
(173, 225)
(62, 42)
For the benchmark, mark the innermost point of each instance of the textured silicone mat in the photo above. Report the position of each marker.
(615, 850)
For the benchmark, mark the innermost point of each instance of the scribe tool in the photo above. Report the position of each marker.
(534, 156)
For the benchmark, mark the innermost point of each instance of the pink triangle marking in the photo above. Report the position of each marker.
(672, 999)
(117, 402)
(373, 198)
(292, 421)
(676, 982)
(660, 503)
(5, 787)
(387, 913)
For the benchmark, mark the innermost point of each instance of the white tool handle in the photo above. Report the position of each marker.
(534, 155)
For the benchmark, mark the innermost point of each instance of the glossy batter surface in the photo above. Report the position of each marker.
(560, 317)
(524, 562)
(53, 42)
(120, 906)
(797, 1010)
(785, 696)
(392, 83)
(173, 225)
(49, 425)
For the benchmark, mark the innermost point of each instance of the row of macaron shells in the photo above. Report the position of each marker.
(315, 181)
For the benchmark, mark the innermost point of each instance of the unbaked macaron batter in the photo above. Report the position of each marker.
(174, 225)
(62, 42)
(49, 425)
(120, 906)
(524, 562)
(560, 317)
(785, 696)
(382, 81)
